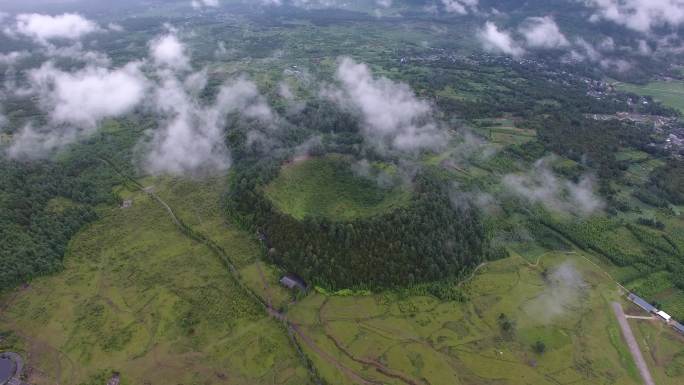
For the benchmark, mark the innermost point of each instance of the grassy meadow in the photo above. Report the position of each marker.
(138, 297)
(502, 132)
(328, 187)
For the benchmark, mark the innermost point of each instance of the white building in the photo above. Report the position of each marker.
(664, 316)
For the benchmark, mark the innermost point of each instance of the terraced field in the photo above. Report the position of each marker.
(562, 301)
(140, 298)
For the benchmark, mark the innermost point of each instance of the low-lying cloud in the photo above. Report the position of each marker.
(190, 138)
(204, 3)
(394, 119)
(44, 28)
(541, 185)
(585, 51)
(87, 96)
(168, 52)
(543, 32)
(639, 15)
(565, 288)
(75, 102)
(461, 7)
(537, 32)
(495, 40)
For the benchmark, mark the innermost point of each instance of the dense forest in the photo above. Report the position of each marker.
(33, 232)
(668, 181)
(43, 203)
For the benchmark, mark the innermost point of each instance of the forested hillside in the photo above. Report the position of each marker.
(44, 203)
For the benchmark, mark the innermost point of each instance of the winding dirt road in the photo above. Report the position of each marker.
(633, 345)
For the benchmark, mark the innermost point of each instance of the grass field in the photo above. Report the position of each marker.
(670, 94)
(502, 132)
(138, 297)
(327, 187)
(561, 300)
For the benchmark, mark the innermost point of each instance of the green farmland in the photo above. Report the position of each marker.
(670, 94)
(139, 298)
(394, 339)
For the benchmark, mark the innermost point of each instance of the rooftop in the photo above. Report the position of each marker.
(679, 327)
(6, 369)
(642, 303)
(664, 315)
(291, 281)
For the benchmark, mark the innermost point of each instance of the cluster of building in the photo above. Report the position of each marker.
(675, 142)
(657, 121)
(656, 312)
(599, 89)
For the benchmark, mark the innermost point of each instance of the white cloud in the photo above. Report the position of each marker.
(496, 40)
(204, 3)
(585, 51)
(11, 58)
(639, 15)
(38, 143)
(644, 48)
(192, 141)
(191, 135)
(115, 27)
(461, 7)
(543, 32)
(285, 91)
(563, 294)
(393, 117)
(43, 28)
(168, 52)
(76, 102)
(607, 44)
(76, 52)
(541, 185)
(196, 82)
(87, 96)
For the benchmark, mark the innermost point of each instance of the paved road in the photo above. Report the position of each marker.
(633, 346)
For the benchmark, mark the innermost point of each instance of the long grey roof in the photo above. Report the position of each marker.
(679, 327)
(642, 303)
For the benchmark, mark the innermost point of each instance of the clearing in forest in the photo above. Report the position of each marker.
(335, 188)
